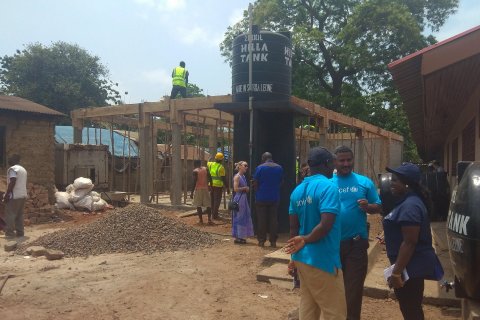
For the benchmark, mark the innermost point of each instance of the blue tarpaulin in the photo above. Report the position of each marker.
(64, 134)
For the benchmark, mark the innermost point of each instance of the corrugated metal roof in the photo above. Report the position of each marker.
(432, 101)
(121, 147)
(19, 104)
(393, 64)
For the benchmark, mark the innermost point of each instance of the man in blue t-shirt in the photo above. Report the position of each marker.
(267, 180)
(315, 241)
(358, 196)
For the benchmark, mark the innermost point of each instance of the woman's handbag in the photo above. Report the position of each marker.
(233, 205)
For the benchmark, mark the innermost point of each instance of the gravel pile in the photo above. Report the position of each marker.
(134, 228)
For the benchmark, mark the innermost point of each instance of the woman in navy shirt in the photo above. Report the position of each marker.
(408, 241)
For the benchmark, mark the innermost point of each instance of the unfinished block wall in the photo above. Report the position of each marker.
(32, 137)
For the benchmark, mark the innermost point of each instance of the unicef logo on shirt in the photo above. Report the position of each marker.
(304, 202)
(309, 200)
(348, 189)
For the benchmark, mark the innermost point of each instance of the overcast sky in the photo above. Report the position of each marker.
(140, 41)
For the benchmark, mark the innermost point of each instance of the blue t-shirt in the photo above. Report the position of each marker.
(351, 188)
(316, 195)
(411, 211)
(269, 176)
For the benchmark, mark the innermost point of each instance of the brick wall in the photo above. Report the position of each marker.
(32, 137)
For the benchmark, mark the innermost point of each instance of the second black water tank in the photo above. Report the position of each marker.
(271, 70)
(464, 233)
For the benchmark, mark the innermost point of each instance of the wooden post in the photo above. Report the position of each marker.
(323, 131)
(176, 187)
(145, 144)
(212, 141)
(360, 163)
(77, 130)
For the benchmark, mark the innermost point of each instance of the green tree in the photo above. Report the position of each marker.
(194, 91)
(342, 48)
(62, 76)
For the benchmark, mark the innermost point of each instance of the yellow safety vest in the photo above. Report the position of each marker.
(217, 171)
(178, 76)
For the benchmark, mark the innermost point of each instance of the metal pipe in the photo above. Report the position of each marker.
(250, 93)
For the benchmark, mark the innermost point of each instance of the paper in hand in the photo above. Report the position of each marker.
(387, 273)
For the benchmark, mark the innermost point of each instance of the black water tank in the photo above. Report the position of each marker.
(464, 233)
(439, 189)
(271, 69)
(388, 199)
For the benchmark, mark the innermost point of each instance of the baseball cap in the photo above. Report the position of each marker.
(219, 156)
(409, 171)
(319, 155)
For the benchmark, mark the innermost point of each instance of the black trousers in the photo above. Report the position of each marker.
(267, 221)
(178, 89)
(354, 258)
(215, 199)
(410, 298)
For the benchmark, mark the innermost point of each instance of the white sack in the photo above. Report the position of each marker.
(83, 183)
(62, 202)
(99, 205)
(84, 203)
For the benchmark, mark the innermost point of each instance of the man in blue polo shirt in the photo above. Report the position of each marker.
(358, 196)
(267, 180)
(315, 241)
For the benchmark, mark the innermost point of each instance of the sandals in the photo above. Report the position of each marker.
(240, 241)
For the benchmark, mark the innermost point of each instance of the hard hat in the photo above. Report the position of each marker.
(219, 156)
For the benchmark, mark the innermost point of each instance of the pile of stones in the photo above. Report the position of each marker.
(135, 228)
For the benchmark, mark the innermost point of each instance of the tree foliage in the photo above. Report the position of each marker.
(194, 91)
(61, 76)
(342, 48)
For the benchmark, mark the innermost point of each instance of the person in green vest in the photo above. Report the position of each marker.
(179, 81)
(217, 179)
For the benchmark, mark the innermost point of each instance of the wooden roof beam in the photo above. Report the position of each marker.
(199, 103)
(343, 119)
(122, 109)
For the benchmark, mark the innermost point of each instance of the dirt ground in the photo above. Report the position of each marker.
(212, 283)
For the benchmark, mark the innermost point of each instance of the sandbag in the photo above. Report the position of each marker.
(83, 183)
(95, 196)
(69, 188)
(78, 194)
(99, 205)
(84, 203)
(62, 200)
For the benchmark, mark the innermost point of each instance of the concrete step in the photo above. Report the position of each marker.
(276, 274)
(278, 256)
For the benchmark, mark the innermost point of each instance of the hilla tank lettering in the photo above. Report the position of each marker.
(271, 69)
(464, 233)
